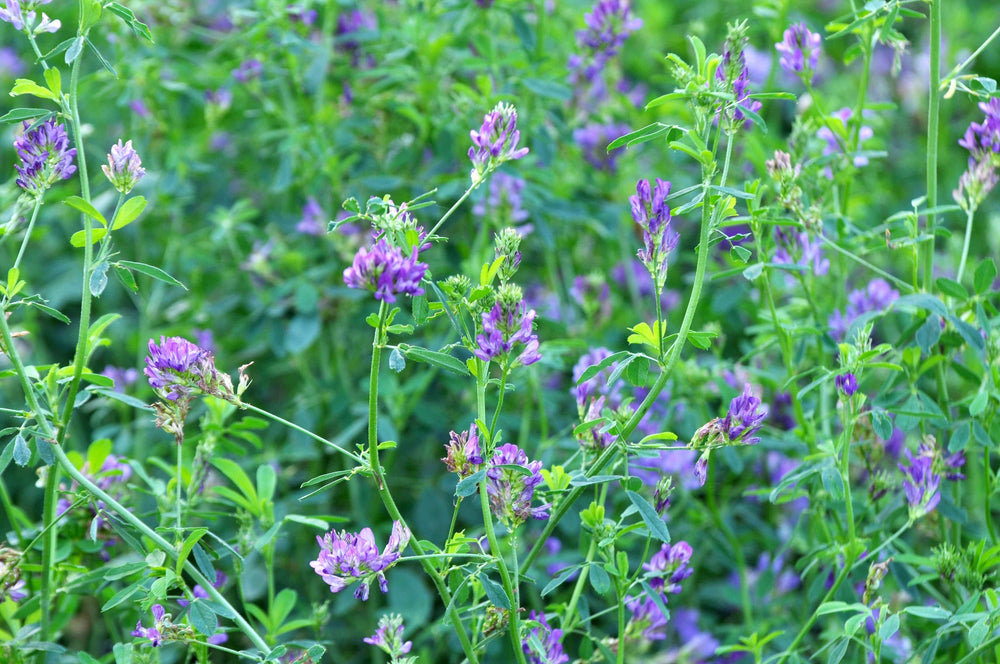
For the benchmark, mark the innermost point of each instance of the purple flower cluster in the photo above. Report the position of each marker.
(152, 633)
(175, 366)
(344, 557)
(124, 168)
(313, 218)
(799, 51)
(833, 140)
(389, 636)
(593, 140)
(596, 437)
(802, 251)
(122, 377)
(733, 71)
(248, 70)
(504, 203)
(349, 24)
(922, 476)
(45, 156)
(982, 140)
(464, 456)
(846, 383)
(652, 213)
(609, 23)
(12, 585)
(385, 270)
(877, 296)
(511, 492)
(495, 142)
(503, 327)
(551, 640)
(10, 64)
(21, 14)
(745, 417)
(669, 566)
(647, 618)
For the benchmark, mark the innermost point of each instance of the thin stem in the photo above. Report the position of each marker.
(296, 427)
(27, 232)
(569, 615)
(965, 63)
(987, 492)
(965, 245)
(734, 544)
(454, 207)
(861, 261)
(812, 619)
(933, 127)
(386, 496)
(180, 469)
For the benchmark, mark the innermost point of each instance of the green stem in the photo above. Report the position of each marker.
(734, 544)
(27, 232)
(386, 496)
(569, 615)
(933, 122)
(987, 493)
(621, 625)
(812, 619)
(861, 261)
(180, 517)
(965, 244)
(965, 63)
(296, 427)
(454, 207)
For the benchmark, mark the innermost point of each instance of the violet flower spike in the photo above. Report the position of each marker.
(745, 417)
(46, 156)
(388, 637)
(384, 270)
(551, 640)
(152, 633)
(846, 383)
(495, 142)
(799, 51)
(511, 493)
(124, 168)
(176, 366)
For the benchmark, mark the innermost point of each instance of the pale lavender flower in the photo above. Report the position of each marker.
(667, 462)
(17, 591)
(503, 328)
(306, 17)
(345, 557)
(121, 377)
(152, 633)
(124, 168)
(21, 14)
(511, 492)
(877, 296)
(698, 647)
(389, 636)
(384, 270)
(802, 251)
(495, 142)
(799, 51)
(139, 107)
(464, 455)
(46, 156)
(551, 640)
(10, 64)
(248, 69)
(221, 98)
(633, 270)
(982, 140)
(833, 145)
(313, 218)
(846, 383)
(594, 139)
(669, 566)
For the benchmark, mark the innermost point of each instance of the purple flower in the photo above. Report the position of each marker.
(669, 566)
(16, 592)
(248, 69)
(609, 24)
(176, 365)
(221, 98)
(877, 296)
(799, 250)
(10, 64)
(21, 14)
(385, 270)
(696, 643)
(351, 25)
(593, 140)
(651, 212)
(152, 633)
(121, 377)
(45, 156)
(799, 51)
(124, 169)
(596, 437)
(847, 384)
(920, 483)
(313, 218)
(495, 142)
(344, 557)
(833, 140)
(503, 203)
(647, 617)
(745, 417)
(139, 107)
(511, 492)
(200, 593)
(110, 478)
(464, 456)
(668, 462)
(503, 327)
(733, 70)
(389, 636)
(982, 140)
(551, 640)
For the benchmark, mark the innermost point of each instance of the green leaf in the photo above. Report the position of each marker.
(85, 207)
(54, 80)
(924, 301)
(128, 212)
(185, 549)
(124, 594)
(753, 271)
(959, 438)
(151, 271)
(99, 279)
(649, 516)
(74, 50)
(45, 309)
(86, 659)
(266, 482)
(442, 360)
(127, 279)
(24, 86)
(138, 27)
(928, 612)
(978, 404)
(889, 627)
(19, 114)
(986, 272)
(952, 288)
(79, 238)
(203, 618)
(467, 486)
(559, 578)
(647, 133)
(232, 470)
(599, 578)
(283, 605)
(494, 591)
